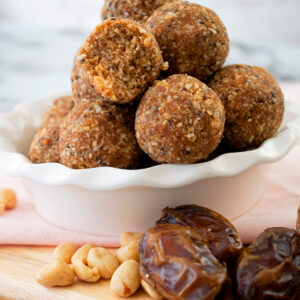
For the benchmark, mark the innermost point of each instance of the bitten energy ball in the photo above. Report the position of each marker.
(138, 10)
(192, 38)
(254, 104)
(96, 134)
(118, 61)
(179, 120)
(44, 147)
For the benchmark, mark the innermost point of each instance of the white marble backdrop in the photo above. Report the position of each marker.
(38, 39)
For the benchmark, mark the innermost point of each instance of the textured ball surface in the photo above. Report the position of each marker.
(138, 10)
(44, 146)
(179, 120)
(192, 38)
(97, 133)
(253, 102)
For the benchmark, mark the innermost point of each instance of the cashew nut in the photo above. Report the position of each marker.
(79, 261)
(104, 261)
(57, 273)
(150, 290)
(8, 198)
(126, 279)
(128, 237)
(64, 252)
(129, 251)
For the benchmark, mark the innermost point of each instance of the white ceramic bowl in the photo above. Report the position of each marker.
(108, 201)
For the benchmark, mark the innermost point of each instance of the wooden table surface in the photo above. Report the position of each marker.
(19, 265)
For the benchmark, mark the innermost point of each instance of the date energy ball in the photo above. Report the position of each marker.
(60, 108)
(138, 10)
(253, 102)
(44, 146)
(192, 38)
(118, 61)
(98, 133)
(179, 120)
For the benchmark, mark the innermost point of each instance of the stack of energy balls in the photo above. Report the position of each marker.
(149, 81)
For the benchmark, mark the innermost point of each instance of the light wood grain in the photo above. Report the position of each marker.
(19, 265)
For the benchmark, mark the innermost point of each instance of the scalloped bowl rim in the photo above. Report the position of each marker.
(16, 164)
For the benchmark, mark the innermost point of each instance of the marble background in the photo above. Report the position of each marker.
(39, 38)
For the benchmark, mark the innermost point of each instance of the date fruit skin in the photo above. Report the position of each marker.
(270, 267)
(226, 292)
(222, 237)
(178, 263)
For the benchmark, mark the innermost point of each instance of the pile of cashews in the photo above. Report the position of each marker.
(90, 263)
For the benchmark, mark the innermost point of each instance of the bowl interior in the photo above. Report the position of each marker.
(18, 128)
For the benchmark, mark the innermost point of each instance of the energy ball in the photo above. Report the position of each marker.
(97, 133)
(138, 10)
(60, 108)
(192, 38)
(118, 61)
(80, 87)
(253, 102)
(179, 120)
(44, 146)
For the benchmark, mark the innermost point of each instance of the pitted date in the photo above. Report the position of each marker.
(178, 263)
(270, 267)
(221, 235)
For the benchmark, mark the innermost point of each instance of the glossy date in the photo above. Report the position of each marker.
(270, 267)
(222, 237)
(178, 263)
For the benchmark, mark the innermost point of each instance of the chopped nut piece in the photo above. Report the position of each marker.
(213, 31)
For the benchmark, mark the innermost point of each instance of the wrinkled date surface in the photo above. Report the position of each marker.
(226, 293)
(270, 267)
(178, 263)
(221, 235)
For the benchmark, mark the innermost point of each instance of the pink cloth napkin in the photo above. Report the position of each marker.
(277, 206)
